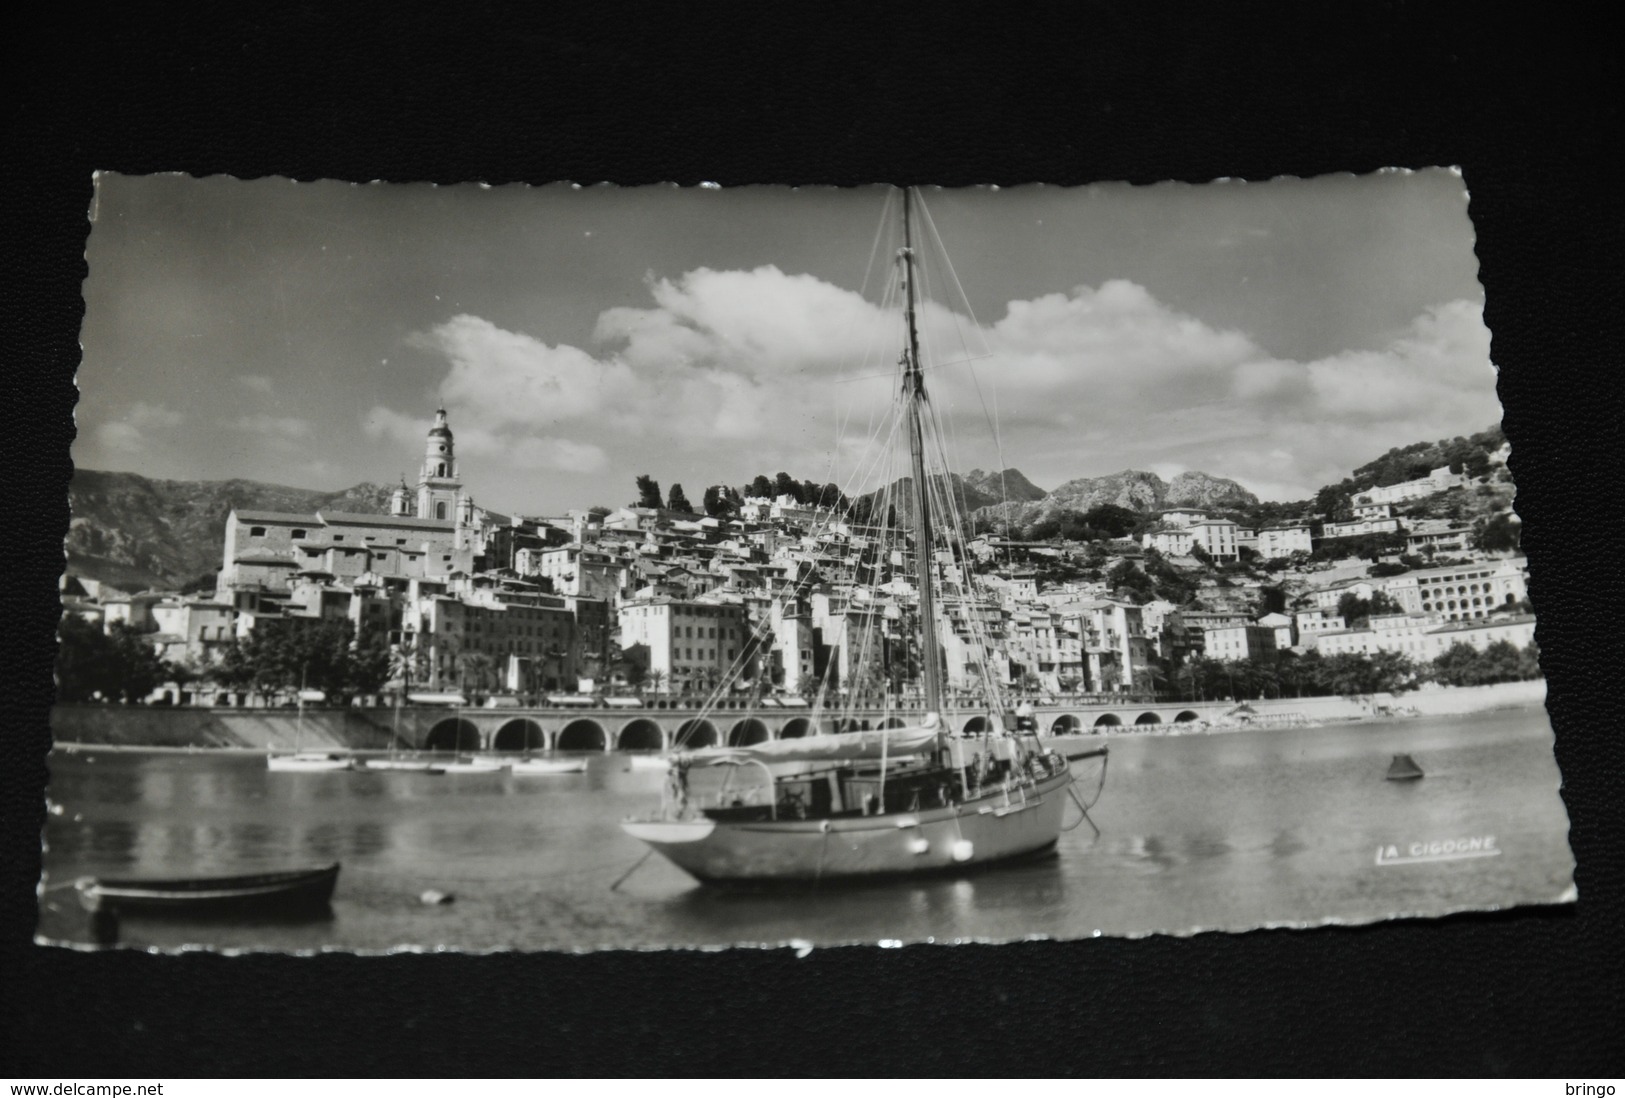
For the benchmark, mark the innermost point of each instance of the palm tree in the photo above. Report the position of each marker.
(478, 668)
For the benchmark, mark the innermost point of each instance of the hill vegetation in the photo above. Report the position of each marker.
(137, 534)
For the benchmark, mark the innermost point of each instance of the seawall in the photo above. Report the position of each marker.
(376, 729)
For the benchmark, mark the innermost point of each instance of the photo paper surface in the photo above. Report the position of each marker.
(581, 568)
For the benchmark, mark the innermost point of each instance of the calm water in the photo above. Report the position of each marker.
(1197, 832)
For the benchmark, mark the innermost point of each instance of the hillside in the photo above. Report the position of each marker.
(1131, 489)
(975, 491)
(137, 533)
(984, 489)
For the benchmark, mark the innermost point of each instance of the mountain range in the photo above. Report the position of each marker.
(136, 533)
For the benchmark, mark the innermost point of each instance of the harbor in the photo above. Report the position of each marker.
(1267, 826)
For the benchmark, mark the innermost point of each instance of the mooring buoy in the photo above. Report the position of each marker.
(1403, 769)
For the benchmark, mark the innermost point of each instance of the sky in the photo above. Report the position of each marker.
(1276, 333)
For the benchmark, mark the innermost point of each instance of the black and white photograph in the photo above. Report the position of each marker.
(575, 568)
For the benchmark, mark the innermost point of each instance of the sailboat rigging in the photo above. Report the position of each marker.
(910, 798)
(302, 760)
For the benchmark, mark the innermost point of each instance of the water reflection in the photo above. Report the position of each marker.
(1219, 831)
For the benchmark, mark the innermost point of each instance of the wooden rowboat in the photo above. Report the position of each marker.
(288, 890)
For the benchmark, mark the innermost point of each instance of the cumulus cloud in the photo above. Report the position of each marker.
(144, 416)
(517, 379)
(132, 432)
(289, 427)
(737, 370)
(392, 426)
(121, 438)
(757, 324)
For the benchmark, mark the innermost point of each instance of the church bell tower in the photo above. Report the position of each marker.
(438, 485)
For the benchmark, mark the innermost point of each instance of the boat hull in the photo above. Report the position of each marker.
(472, 766)
(977, 833)
(409, 766)
(541, 767)
(307, 763)
(292, 890)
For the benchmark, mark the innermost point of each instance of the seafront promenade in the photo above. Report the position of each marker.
(603, 727)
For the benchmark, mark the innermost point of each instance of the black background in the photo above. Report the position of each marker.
(1525, 100)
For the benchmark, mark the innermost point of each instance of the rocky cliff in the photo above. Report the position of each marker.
(138, 534)
(1132, 489)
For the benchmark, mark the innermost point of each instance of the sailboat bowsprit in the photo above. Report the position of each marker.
(888, 802)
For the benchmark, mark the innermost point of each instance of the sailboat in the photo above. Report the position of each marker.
(306, 761)
(394, 761)
(896, 801)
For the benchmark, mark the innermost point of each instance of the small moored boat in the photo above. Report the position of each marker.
(309, 761)
(549, 766)
(415, 766)
(476, 765)
(648, 762)
(287, 890)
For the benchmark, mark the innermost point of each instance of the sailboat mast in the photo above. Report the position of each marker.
(914, 401)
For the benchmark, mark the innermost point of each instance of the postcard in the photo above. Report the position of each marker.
(583, 567)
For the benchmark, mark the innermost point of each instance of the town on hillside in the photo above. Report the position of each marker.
(773, 590)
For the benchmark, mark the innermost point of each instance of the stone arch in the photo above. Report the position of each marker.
(1067, 724)
(520, 734)
(795, 728)
(1108, 720)
(748, 731)
(850, 724)
(1148, 718)
(453, 734)
(975, 726)
(642, 734)
(894, 722)
(1186, 717)
(582, 734)
(697, 732)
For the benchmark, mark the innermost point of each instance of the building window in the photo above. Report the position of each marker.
(256, 531)
(298, 535)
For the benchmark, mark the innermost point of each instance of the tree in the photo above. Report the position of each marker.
(139, 669)
(1271, 600)
(369, 663)
(760, 488)
(1501, 661)
(1111, 521)
(648, 491)
(1500, 534)
(1124, 576)
(721, 501)
(786, 485)
(479, 671)
(86, 663)
(677, 501)
(1357, 612)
